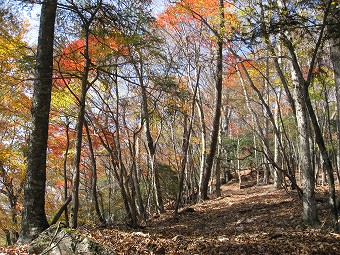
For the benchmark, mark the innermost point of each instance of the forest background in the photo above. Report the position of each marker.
(150, 112)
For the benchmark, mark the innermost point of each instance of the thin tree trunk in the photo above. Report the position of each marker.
(85, 85)
(218, 166)
(61, 210)
(238, 163)
(203, 146)
(327, 163)
(218, 103)
(79, 135)
(226, 133)
(135, 177)
(67, 223)
(259, 131)
(94, 191)
(151, 145)
(122, 176)
(8, 237)
(185, 146)
(334, 33)
(186, 142)
(277, 173)
(268, 166)
(133, 174)
(113, 154)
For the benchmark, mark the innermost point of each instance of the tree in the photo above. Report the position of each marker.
(334, 37)
(85, 85)
(277, 26)
(151, 141)
(33, 217)
(220, 33)
(303, 98)
(218, 30)
(170, 105)
(14, 104)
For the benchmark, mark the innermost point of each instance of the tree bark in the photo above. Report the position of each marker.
(150, 144)
(94, 192)
(85, 85)
(135, 167)
(334, 33)
(67, 222)
(185, 146)
(303, 94)
(277, 173)
(61, 210)
(8, 237)
(261, 133)
(305, 164)
(33, 216)
(186, 142)
(203, 146)
(218, 104)
(79, 136)
(130, 204)
(218, 166)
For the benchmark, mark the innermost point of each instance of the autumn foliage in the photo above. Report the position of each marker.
(147, 89)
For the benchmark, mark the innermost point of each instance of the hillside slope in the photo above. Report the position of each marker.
(253, 220)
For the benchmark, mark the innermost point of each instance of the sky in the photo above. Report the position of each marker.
(32, 14)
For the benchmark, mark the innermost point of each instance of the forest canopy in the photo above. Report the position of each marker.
(154, 108)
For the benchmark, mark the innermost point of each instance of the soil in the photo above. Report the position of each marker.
(251, 220)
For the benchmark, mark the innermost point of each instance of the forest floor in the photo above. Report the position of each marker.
(252, 220)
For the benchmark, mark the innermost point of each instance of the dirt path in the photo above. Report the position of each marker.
(255, 220)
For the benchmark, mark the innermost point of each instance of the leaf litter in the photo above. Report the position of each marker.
(253, 220)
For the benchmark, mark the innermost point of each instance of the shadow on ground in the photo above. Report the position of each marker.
(253, 220)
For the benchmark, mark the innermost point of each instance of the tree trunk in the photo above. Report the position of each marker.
(218, 166)
(277, 173)
(260, 132)
(226, 127)
(151, 144)
(135, 167)
(203, 146)
(308, 181)
(152, 153)
(8, 237)
(85, 85)
(79, 134)
(94, 192)
(303, 85)
(67, 222)
(218, 104)
(334, 32)
(61, 210)
(33, 216)
(185, 146)
(123, 178)
(327, 163)
(267, 149)
(186, 141)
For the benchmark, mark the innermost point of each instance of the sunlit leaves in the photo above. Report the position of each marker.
(13, 57)
(16, 68)
(196, 11)
(72, 57)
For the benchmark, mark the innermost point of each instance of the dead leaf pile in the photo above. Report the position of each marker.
(253, 220)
